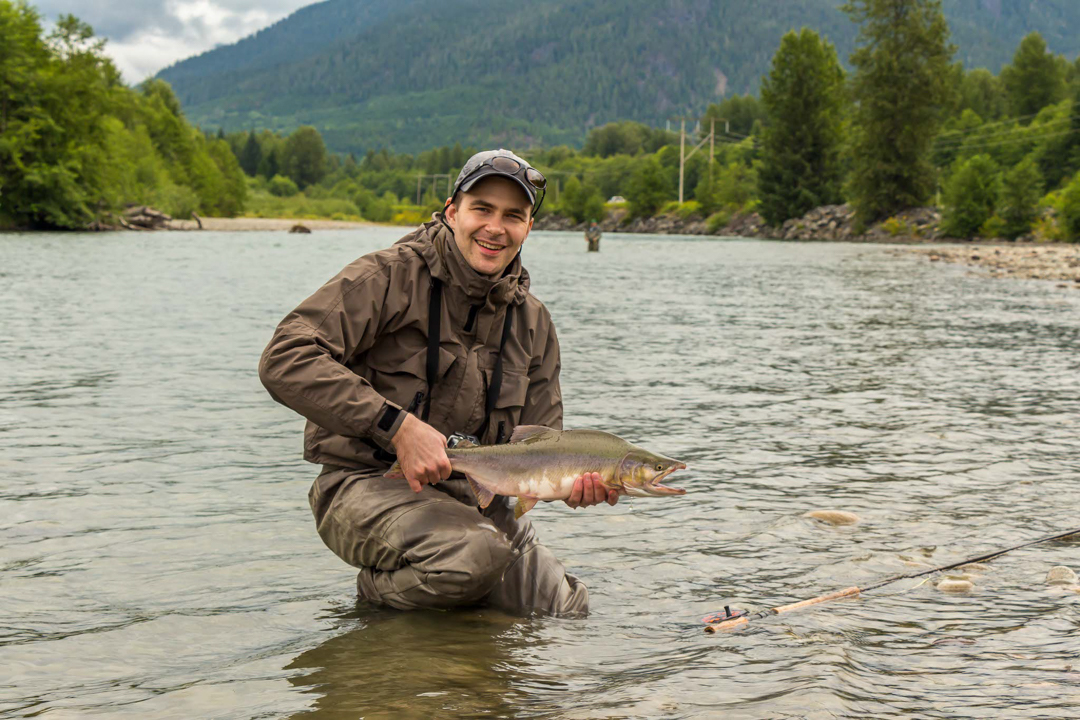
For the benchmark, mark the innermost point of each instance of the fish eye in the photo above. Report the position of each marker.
(659, 467)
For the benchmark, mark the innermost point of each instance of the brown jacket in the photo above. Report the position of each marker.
(352, 357)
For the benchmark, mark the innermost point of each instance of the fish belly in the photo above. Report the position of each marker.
(545, 485)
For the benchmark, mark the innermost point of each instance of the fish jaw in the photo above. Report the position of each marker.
(655, 488)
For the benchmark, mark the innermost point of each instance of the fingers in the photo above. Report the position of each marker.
(414, 484)
(612, 497)
(443, 468)
(574, 500)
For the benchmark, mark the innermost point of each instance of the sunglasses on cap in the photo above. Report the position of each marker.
(510, 166)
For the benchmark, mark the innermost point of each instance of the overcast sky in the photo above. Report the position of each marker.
(146, 35)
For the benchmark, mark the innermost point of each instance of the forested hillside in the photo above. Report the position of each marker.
(412, 74)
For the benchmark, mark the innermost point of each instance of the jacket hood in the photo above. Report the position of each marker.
(434, 242)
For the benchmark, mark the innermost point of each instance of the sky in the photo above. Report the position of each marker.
(145, 36)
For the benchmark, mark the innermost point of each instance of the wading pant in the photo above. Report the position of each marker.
(436, 549)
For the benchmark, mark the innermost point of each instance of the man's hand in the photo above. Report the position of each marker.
(589, 490)
(421, 452)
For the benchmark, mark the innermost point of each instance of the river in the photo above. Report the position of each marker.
(158, 558)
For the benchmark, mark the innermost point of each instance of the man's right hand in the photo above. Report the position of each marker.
(421, 452)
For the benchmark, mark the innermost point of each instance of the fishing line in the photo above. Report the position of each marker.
(734, 618)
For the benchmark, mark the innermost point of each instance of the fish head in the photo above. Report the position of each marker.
(640, 474)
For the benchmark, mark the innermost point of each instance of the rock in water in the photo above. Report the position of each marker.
(955, 585)
(833, 517)
(1061, 575)
(300, 229)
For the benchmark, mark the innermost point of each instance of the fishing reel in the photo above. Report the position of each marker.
(457, 438)
(728, 614)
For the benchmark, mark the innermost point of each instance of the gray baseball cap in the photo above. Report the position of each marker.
(500, 162)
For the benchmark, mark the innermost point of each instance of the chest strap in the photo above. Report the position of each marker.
(432, 367)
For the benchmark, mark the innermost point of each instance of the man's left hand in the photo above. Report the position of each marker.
(589, 490)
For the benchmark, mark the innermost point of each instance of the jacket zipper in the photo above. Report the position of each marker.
(419, 398)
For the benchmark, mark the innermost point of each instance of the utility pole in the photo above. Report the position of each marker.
(683, 156)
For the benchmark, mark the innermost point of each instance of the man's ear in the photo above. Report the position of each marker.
(450, 213)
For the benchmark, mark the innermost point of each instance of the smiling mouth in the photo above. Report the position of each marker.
(490, 247)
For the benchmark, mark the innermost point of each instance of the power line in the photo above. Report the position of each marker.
(997, 122)
(979, 135)
(1028, 138)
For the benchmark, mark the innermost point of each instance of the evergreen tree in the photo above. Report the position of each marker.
(736, 114)
(304, 156)
(803, 97)
(1021, 189)
(1035, 79)
(251, 155)
(901, 87)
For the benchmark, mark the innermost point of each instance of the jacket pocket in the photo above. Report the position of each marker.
(400, 380)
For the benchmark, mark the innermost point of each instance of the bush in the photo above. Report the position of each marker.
(649, 189)
(716, 221)
(897, 227)
(281, 186)
(970, 196)
(1069, 210)
(994, 227)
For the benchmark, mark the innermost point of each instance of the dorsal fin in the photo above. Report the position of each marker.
(524, 432)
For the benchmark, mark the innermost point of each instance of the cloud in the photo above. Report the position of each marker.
(147, 35)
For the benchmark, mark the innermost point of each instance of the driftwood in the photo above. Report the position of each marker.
(144, 218)
(198, 219)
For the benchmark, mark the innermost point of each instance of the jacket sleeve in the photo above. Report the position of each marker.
(304, 366)
(543, 401)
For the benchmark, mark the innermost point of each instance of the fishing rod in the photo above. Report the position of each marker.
(734, 618)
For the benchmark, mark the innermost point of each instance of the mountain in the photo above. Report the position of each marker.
(413, 74)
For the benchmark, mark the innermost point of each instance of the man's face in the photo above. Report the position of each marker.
(490, 223)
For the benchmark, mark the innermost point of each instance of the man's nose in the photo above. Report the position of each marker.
(495, 224)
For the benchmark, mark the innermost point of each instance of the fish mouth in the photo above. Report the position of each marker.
(654, 486)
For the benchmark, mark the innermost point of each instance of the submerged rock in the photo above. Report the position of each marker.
(955, 585)
(1061, 575)
(833, 517)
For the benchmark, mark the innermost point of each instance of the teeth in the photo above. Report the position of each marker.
(488, 246)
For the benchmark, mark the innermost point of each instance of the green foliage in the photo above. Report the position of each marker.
(1069, 210)
(980, 92)
(802, 95)
(375, 74)
(76, 145)
(649, 188)
(251, 155)
(970, 196)
(580, 203)
(301, 207)
(994, 227)
(626, 138)
(716, 221)
(1021, 189)
(901, 87)
(1035, 79)
(281, 186)
(734, 116)
(304, 156)
(897, 227)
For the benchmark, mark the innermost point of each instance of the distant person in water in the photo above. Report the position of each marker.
(435, 335)
(592, 236)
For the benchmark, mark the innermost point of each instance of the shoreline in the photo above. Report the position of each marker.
(252, 224)
(1056, 262)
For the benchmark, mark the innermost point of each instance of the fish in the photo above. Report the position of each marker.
(541, 463)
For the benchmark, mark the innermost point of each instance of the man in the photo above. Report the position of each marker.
(435, 335)
(592, 236)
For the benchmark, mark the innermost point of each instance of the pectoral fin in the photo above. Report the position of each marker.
(483, 495)
(524, 505)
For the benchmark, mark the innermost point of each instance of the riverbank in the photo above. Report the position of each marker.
(246, 224)
(1028, 261)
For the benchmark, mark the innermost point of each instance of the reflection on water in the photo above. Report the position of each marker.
(158, 558)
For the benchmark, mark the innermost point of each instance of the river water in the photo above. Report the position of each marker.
(158, 558)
